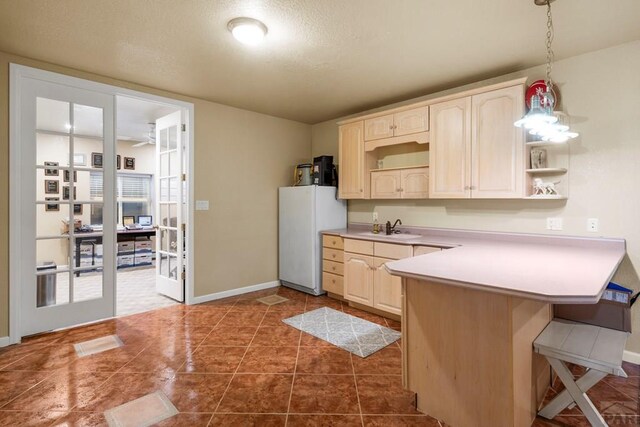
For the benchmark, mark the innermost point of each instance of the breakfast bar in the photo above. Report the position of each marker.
(472, 312)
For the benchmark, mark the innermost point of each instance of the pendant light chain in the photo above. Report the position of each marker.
(550, 55)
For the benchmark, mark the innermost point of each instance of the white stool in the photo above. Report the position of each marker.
(597, 349)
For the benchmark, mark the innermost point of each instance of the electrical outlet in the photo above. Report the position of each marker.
(592, 225)
(375, 216)
(554, 224)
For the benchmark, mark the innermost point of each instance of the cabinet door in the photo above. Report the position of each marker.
(450, 150)
(378, 128)
(385, 185)
(415, 183)
(358, 278)
(351, 161)
(497, 146)
(387, 289)
(411, 121)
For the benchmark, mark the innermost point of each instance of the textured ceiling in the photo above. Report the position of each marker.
(321, 58)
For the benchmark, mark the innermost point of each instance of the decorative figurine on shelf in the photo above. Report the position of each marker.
(538, 158)
(541, 188)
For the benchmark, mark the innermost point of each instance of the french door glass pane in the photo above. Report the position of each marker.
(173, 137)
(87, 120)
(52, 276)
(52, 288)
(52, 115)
(52, 151)
(51, 217)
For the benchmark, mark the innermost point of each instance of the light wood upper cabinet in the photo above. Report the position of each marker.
(415, 183)
(352, 165)
(387, 289)
(497, 146)
(475, 150)
(386, 184)
(358, 278)
(411, 121)
(398, 124)
(378, 127)
(450, 150)
(409, 183)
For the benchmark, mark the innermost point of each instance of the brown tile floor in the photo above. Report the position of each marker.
(232, 362)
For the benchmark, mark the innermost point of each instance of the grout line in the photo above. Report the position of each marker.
(203, 340)
(295, 368)
(355, 381)
(241, 360)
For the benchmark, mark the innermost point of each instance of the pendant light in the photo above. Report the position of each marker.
(541, 120)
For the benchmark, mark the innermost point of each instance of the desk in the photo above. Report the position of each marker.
(96, 238)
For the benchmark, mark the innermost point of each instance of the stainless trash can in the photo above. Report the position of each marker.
(46, 285)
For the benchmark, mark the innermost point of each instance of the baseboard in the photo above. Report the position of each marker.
(234, 292)
(631, 357)
(5, 341)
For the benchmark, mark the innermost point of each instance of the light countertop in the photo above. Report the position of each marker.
(555, 269)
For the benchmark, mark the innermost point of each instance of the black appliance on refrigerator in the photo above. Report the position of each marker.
(324, 171)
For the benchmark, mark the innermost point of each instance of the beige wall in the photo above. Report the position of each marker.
(601, 92)
(241, 158)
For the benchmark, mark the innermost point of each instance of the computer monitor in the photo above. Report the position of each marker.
(145, 220)
(128, 220)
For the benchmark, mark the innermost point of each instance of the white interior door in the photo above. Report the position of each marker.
(60, 130)
(169, 209)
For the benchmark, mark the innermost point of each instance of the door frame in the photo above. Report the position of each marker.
(17, 74)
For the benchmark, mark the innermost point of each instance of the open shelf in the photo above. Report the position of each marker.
(547, 171)
(400, 168)
(546, 197)
(544, 143)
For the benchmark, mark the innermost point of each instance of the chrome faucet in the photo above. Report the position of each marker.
(390, 229)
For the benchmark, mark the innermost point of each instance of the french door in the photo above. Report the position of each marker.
(170, 206)
(67, 256)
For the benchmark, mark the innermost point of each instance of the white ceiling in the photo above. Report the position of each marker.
(321, 59)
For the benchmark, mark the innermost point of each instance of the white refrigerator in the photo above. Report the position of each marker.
(303, 213)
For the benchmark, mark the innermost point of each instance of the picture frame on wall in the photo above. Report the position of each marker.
(118, 162)
(130, 163)
(77, 209)
(65, 176)
(97, 160)
(54, 171)
(52, 207)
(51, 186)
(79, 160)
(66, 191)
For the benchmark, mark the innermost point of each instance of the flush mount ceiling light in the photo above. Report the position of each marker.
(247, 30)
(541, 120)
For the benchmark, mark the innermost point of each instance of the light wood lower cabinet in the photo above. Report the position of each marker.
(358, 274)
(410, 183)
(366, 280)
(387, 289)
(332, 264)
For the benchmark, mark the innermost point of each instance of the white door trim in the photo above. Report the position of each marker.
(16, 74)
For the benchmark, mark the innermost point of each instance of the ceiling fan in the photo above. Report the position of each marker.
(151, 137)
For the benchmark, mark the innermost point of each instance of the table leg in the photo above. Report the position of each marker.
(575, 392)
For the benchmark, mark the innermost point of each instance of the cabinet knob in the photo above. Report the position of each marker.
(333, 255)
(333, 268)
(333, 242)
(333, 280)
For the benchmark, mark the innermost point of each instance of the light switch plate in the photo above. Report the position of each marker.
(202, 205)
(375, 216)
(593, 225)
(554, 224)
